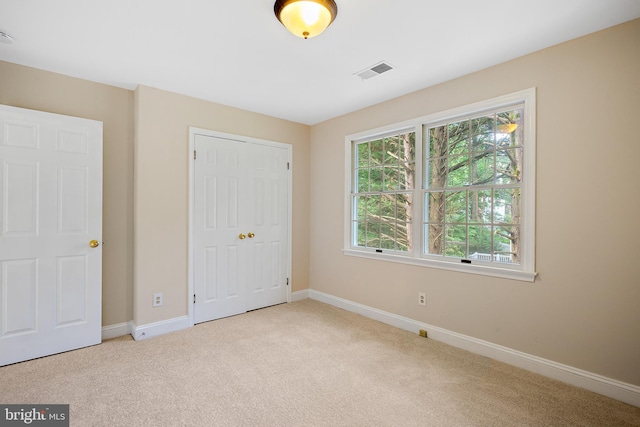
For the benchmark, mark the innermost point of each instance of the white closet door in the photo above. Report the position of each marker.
(267, 219)
(240, 227)
(51, 211)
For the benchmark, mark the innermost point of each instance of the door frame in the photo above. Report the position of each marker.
(193, 131)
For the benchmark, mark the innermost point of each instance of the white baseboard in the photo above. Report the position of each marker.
(624, 392)
(299, 295)
(159, 328)
(117, 330)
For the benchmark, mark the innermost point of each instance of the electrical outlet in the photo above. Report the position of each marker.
(157, 300)
(422, 299)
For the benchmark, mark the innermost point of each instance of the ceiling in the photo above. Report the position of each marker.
(237, 53)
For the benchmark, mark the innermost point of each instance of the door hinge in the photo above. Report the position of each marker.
(194, 154)
(288, 165)
(194, 298)
(287, 281)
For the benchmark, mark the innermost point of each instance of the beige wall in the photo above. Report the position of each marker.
(40, 90)
(160, 121)
(161, 192)
(583, 310)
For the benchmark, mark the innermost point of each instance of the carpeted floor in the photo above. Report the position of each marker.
(299, 364)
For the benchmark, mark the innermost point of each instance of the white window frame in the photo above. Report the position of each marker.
(525, 271)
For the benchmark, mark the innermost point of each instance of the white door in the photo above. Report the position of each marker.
(51, 210)
(241, 226)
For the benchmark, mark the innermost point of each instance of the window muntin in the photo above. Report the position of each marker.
(382, 193)
(472, 187)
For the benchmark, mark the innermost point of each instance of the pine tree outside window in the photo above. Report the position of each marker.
(473, 187)
(384, 184)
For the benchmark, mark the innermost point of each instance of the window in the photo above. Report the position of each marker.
(473, 187)
(383, 200)
(452, 190)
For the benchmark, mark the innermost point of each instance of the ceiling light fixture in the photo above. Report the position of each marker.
(305, 18)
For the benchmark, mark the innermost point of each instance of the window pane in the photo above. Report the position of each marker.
(376, 152)
(391, 150)
(482, 135)
(480, 240)
(482, 168)
(404, 207)
(456, 241)
(510, 128)
(373, 235)
(405, 231)
(434, 207)
(458, 174)
(388, 235)
(361, 207)
(388, 207)
(407, 176)
(507, 244)
(363, 180)
(509, 166)
(504, 140)
(361, 234)
(362, 154)
(435, 239)
(375, 179)
(437, 142)
(458, 138)
(373, 208)
(390, 178)
(456, 206)
(436, 173)
(407, 147)
(480, 206)
(506, 206)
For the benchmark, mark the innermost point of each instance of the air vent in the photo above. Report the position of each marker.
(374, 70)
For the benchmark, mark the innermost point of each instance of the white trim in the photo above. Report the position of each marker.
(445, 265)
(290, 220)
(117, 330)
(193, 131)
(526, 270)
(191, 213)
(160, 328)
(299, 295)
(624, 392)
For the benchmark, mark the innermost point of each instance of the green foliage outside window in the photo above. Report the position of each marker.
(385, 179)
(472, 186)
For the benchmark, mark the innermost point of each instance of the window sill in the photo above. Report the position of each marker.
(504, 273)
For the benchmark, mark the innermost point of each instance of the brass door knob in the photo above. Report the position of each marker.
(251, 235)
(94, 243)
(242, 236)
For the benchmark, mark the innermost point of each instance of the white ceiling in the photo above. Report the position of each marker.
(235, 52)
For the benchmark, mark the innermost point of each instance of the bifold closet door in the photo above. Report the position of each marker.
(240, 227)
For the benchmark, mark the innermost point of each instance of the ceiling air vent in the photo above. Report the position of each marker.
(374, 70)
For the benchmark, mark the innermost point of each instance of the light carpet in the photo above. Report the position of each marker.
(299, 364)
